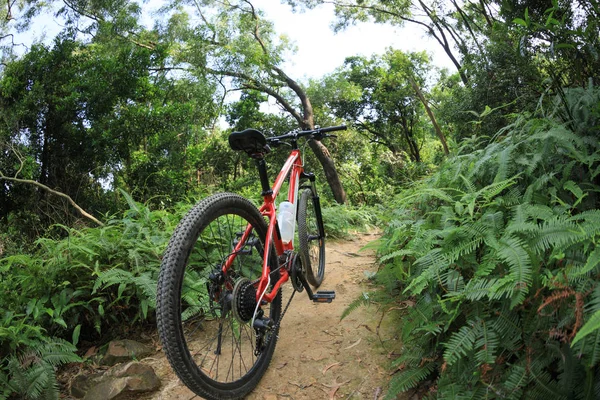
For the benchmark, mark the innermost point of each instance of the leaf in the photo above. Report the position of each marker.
(330, 366)
(60, 321)
(592, 262)
(408, 379)
(590, 326)
(132, 204)
(353, 344)
(520, 21)
(486, 112)
(576, 190)
(76, 333)
(334, 388)
(460, 344)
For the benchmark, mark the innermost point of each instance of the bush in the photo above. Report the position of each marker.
(500, 252)
(72, 288)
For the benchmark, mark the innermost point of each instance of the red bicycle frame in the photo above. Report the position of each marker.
(294, 168)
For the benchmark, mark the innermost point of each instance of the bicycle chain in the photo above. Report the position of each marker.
(276, 326)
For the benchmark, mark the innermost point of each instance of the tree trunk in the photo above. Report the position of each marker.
(321, 152)
(331, 174)
(438, 131)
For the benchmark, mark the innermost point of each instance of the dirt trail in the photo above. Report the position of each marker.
(317, 355)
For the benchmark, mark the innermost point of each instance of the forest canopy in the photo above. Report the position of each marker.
(484, 179)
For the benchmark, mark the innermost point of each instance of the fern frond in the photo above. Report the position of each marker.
(504, 287)
(494, 189)
(563, 138)
(476, 289)
(504, 162)
(591, 264)
(592, 325)
(516, 380)
(453, 280)
(111, 277)
(513, 252)
(363, 300)
(38, 378)
(58, 352)
(542, 387)
(558, 233)
(411, 355)
(487, 342)
(434, 262)
(397, 253)
(461, 343)
(408, 379)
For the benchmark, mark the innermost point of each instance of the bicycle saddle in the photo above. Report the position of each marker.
(252, 141)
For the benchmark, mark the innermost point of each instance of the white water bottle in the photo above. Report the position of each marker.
(287, 221)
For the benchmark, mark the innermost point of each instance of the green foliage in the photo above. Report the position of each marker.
(376, 96)
(32, 372)
(76, 288)
(500, 246)
(341, 220)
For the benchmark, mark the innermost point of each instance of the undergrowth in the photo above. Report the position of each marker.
(500, 252)
(341, 220)
(96, 278)
(76, 288)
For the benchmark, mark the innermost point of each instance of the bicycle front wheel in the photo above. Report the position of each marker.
(205, 315)
(311, 238)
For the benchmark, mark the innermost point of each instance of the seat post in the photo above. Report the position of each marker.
(264, 179)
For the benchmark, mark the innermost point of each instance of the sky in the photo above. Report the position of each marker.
(319, 49)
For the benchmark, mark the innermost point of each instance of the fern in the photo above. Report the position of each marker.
(558, 233)
(512, 251)
(475, 289)
(461, 343)
(592, 325)
(487, 343)
(32, 374)
(591, 264)
(408, 379)
(361, 301)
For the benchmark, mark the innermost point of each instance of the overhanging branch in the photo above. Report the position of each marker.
(54, 192)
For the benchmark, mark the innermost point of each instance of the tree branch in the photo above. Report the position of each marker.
(251, 83)
(439, 36)
(57, 193)
(100, 19)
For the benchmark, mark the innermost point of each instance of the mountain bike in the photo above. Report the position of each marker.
(219, 302)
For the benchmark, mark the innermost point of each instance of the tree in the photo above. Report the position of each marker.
(436, 18)
(78, 117)
(236, 43)
(380, 100)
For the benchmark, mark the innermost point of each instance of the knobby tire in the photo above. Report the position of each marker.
(193, 323)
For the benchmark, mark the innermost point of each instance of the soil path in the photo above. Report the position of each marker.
(317, 355)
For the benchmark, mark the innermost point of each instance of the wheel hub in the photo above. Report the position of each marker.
(244, 300)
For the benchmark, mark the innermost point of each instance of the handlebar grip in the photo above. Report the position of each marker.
(333, 128)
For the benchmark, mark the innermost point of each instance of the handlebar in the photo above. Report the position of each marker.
(317, 134)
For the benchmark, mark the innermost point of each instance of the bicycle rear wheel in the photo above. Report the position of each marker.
(205, 316)
(311, 238)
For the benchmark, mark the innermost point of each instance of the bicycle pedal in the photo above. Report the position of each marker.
(323, 296)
